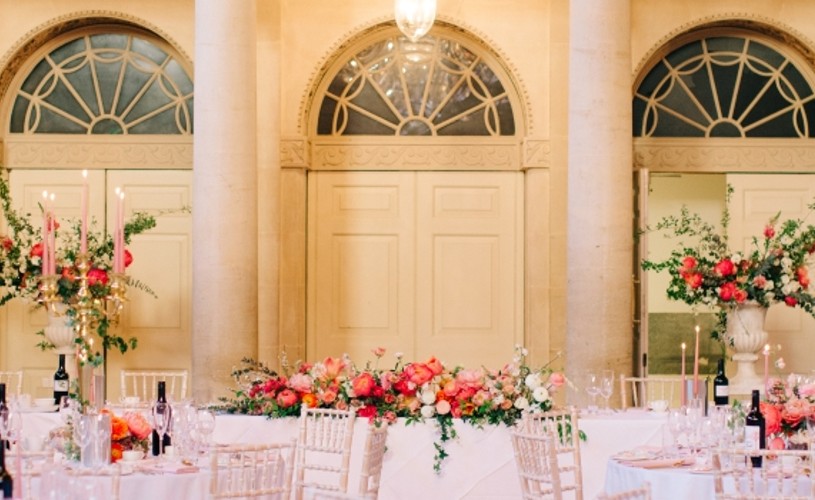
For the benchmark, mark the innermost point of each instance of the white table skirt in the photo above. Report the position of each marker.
(480, 464)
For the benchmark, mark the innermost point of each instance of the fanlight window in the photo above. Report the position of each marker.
(432, 87)
(724, 86)
(105, 84)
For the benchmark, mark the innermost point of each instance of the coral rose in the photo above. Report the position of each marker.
(772, 418)
(435, 365)
(118, 429)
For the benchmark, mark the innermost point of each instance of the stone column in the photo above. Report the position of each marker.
(600, 204)
(225, 242)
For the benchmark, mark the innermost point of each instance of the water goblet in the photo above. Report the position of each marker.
(607, 387)
(592, 389)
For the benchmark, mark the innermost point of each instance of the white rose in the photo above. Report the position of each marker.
(521, 403)
(533, 380)
(428, 411)
(428, 397)
(497, 400)
(540, 394)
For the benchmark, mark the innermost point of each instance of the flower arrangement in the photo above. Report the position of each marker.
(705, 271)
(21, 263)
(131, 431)
(789, 403)
(417, 391)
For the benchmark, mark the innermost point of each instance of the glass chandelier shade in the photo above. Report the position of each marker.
(415, 17)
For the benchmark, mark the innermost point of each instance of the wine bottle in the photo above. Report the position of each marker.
(6, 483)
(754, 437)
(4, 445)
(159, 444)
(61, 381)
(721, 386)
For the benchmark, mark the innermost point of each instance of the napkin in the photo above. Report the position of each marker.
(170, 468)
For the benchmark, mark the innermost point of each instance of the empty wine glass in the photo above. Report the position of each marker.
(592, 389)
(161, 421)
(607, 387)
(83, 426)
(205, 424)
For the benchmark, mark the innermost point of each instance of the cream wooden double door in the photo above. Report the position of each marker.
(422, 263)
(162, 260)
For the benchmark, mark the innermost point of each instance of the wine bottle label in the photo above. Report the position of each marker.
(722, 391)
(61, 385)
(752, 437)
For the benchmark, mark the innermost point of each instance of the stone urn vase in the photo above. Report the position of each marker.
(61, 333)
(745, 337)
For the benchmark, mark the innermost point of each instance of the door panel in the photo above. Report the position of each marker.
(423, 263)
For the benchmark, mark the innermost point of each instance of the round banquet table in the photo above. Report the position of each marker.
(667, 483)
(480, 464)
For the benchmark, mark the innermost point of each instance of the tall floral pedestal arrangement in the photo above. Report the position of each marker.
(745, 337)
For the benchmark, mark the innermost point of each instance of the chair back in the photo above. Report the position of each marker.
(784, 474)
(246, 471)
(323, 450)
(646, 389)
(536, 462)
(562, 425)
(144, 384)
(24, 466)
(643, 492)
(372, 459)
(13, 381)
(89, 484)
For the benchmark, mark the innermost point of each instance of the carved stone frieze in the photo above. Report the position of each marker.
(95, 153)
(438, 156)
(537, 153)
(294, 153)
(740, 155)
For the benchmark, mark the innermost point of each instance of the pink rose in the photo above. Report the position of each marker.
(772, 418)
(363, 384)
(386, 380)
(769, 231)
(794, 411)
(450, 388)
(694, 280)
(727, 290)
(724, 268)
(328, 397)
(443, 407)
(97, 275)
(556, 379)
(790, 301)
(759, 282)
(286, 398)
(301, 382)
(688, 265)
(137, 424)
(776, 444)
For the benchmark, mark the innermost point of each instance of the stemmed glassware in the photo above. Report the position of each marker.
(83, 427)
(607, 387)
(205, 424)
(592, 389)
(161, 421)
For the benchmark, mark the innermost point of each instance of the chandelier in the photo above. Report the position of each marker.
(415, 17)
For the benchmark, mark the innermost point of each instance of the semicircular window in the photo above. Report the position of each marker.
(433, 87)
(107, 83)
(724, 86)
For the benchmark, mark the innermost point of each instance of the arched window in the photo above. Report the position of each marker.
(105, 83)
(725, 85)
(434, 87)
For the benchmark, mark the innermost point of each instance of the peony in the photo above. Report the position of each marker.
(772, 418)
(435, 365)
(286, 398)
(418, 373)
(97, 276)
(137, 424)
(724, 268)
(301, 382)
(363, 384)
(472, 379)
(727, 290)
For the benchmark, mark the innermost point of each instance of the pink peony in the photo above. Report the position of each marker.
(470, 379)
(363, 384)
(418, 373)
(724, 268)
(435, 365)
(727, 290)
(137, 424)
(286, 398)
(301, 382)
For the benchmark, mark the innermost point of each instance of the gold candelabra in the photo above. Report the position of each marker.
(89, 309)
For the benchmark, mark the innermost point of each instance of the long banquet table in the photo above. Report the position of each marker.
(480, 464)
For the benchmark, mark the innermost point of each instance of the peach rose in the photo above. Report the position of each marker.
(328, 396)
(137, 424)
(443, 407)
(450, 388)
(772, 418)
(556, 379)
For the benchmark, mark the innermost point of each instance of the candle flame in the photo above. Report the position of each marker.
(45, 194)
(85, 173)
(766, 348)
(683, 346)
(118, 190)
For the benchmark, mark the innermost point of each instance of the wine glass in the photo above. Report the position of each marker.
(83, 426)
(592, 389)
(607, 387)
(161, 421)
(205, 424)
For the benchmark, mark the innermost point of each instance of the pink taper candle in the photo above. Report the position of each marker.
(52, 242)
(116, 242)
(83, 241)
(766, 366)
(696, 365)
(684, 391)
(45, 237)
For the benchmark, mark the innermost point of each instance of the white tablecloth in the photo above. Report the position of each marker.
(480, 463)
